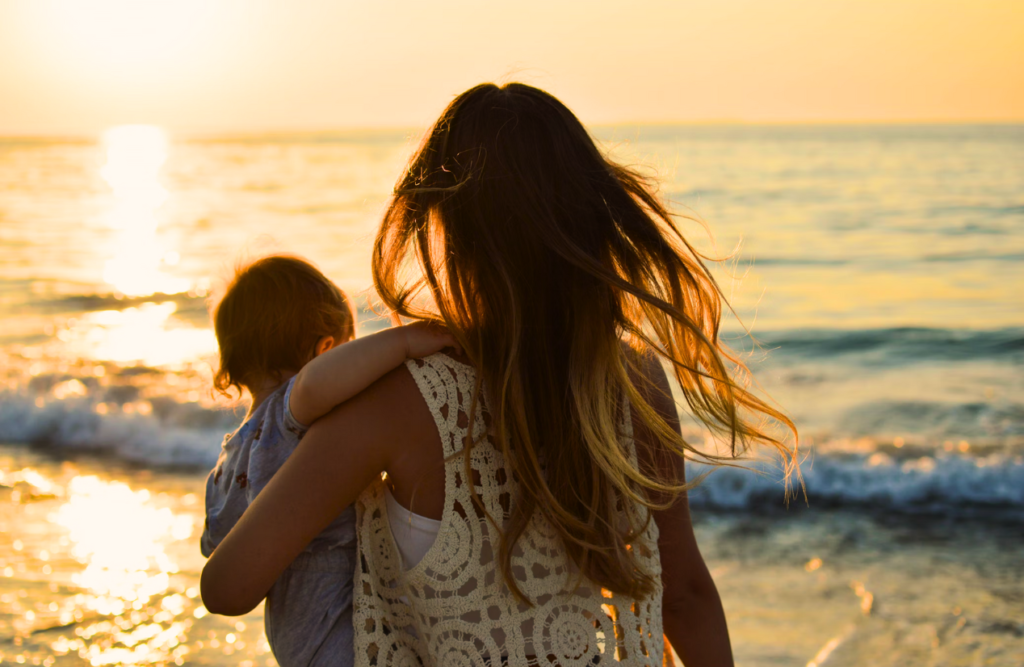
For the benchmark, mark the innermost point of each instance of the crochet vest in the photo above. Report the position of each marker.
(453, 608)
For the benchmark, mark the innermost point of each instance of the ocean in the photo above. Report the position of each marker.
(878, 270)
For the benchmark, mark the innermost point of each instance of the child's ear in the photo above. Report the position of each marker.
(324, 344)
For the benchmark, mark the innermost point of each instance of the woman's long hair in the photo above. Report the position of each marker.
(542, 256)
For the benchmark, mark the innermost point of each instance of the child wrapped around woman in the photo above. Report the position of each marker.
(286, 336)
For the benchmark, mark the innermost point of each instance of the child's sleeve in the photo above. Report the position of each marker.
(291, 424)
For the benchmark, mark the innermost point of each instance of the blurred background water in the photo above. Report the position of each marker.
(879, 268)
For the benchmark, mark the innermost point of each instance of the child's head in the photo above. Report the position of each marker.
(275, 316)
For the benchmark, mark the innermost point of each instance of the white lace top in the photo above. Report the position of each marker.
(453, 609)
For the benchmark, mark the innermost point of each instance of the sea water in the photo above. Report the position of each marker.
(878, 268)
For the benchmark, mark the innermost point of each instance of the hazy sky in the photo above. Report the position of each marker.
(253, 65)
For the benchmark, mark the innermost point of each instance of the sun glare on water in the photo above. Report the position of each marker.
(138, 263)
(146, 334)
(135, 154)
(126, 601)
(125, 559)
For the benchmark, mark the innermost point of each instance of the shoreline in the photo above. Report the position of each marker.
(121, 545)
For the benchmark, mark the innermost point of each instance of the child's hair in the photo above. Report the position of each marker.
(270, 319)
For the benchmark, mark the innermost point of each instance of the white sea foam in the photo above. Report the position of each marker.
(191, 436)
(921, 484)
(72, 426)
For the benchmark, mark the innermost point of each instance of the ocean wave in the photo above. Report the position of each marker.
(192, 306)
(89, 302)
(795, 261)
(932, 258)
(924, 484)
(185, 434)
(976, 256)
(893, 345)
(172, 434)
(938, 419)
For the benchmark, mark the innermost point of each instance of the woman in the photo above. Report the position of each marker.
(533, 506)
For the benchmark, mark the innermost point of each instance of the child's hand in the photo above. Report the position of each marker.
(425, 338)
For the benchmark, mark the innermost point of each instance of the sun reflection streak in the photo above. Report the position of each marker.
(145, 333)
(119, 537)
(111, 576)
(135, 154)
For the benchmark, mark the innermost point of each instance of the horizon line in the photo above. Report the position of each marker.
(214, 134)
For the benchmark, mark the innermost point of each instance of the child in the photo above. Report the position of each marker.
(284, 329)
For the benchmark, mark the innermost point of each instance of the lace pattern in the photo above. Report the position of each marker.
(453, 608)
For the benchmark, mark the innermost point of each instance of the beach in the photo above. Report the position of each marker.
(879, 268)
(103, 568)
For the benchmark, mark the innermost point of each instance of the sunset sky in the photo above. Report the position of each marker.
(78, 66)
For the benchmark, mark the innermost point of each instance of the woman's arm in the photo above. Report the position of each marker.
(314, 485)
(692, 613)
(340, 373)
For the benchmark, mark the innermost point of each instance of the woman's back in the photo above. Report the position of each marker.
(453, 607)
(548, 263)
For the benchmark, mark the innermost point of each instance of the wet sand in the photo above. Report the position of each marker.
(846, 589)
(100, 564)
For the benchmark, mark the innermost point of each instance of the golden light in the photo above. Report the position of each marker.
(135, 154)
(146, 334)
(124, 37)
(125, 559)
(120, 537)
(137, 258)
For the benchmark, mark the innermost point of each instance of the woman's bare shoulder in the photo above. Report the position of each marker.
(648, 376)
(392, 418)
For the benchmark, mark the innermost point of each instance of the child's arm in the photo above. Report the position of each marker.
(342, 372)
